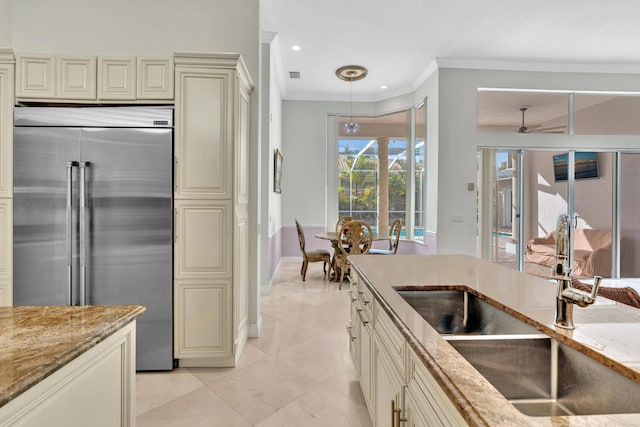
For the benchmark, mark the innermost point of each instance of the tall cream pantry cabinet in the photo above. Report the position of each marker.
(211, 266)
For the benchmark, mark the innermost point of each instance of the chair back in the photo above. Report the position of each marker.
(342, 221)
(300, 236)
(394, 235)
(357, 238)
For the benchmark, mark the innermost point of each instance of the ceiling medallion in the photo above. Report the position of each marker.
(351, 73)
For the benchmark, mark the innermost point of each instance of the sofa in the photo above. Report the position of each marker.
(591, 252)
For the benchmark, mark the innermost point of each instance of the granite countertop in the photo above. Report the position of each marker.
(605, 331)
(37, 341)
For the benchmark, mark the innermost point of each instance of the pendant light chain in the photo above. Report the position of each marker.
(351, 73)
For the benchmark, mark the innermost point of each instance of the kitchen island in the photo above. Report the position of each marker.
(71, 366)
(409, 371)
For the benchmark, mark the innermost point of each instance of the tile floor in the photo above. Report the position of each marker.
(297, 373)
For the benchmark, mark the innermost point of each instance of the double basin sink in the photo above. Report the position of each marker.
(538, 375)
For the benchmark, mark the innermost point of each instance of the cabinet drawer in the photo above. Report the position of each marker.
(365, 296)
(389, 336)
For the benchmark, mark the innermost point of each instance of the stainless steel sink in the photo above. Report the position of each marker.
(537, 374)
(542, 377)
(459, 312)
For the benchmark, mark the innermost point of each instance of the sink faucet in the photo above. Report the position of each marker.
(567, 295)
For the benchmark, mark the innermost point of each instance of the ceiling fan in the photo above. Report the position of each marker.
(525, 129)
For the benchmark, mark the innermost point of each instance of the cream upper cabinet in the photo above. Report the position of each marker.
(76, 77)
(117, 78)
(90, 79)
(154, 78)
(36, 76)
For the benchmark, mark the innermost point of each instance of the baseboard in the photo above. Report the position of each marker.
(254, 330)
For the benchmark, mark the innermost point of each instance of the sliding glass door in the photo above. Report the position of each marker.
(529, 189)
(503, 180)
(629, 206)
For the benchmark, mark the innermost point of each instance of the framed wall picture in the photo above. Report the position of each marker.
(277, 171)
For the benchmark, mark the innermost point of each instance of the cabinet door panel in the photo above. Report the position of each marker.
(6, 130)
(203, 131)
(6, 240)
(36, 76)
(203, 323)
(155, 78)
(76, 77)
(241, 275)
(203, 246)
(242, 148)
(117, 78)
(387, 388)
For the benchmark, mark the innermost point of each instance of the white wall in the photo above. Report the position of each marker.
(133, 27)
(5, 23)
(304, 147)
(275, 141)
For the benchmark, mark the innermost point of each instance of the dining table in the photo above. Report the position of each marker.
(333, 237)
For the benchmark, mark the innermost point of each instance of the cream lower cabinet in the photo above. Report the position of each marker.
(426, 403)
(95, 389)
(203, 322)
(388, 386)
(211, 250)
(362, 325)
(398, 388)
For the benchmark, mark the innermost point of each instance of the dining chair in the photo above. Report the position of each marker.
(342, 221)
(394, 240)
(356, 240)
(311, 256)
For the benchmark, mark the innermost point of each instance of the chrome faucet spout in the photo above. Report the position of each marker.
(567, 295)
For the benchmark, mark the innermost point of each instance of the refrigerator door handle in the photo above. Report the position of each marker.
(83, 232)
(69, 231)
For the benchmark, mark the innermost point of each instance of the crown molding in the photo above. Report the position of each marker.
(7, 56)
(558, 67)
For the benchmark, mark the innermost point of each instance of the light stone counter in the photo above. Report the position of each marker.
(606, 332)
(35, 342)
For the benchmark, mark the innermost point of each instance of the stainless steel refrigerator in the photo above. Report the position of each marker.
(93, 214)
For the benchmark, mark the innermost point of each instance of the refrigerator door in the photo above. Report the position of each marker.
(40, 156)
(128, 180)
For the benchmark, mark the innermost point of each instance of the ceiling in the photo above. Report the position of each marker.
(397, 41)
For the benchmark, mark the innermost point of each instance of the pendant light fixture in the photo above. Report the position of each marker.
(351, 73)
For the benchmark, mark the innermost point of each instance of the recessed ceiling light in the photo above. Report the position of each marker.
(383, 86)
(296, 47)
